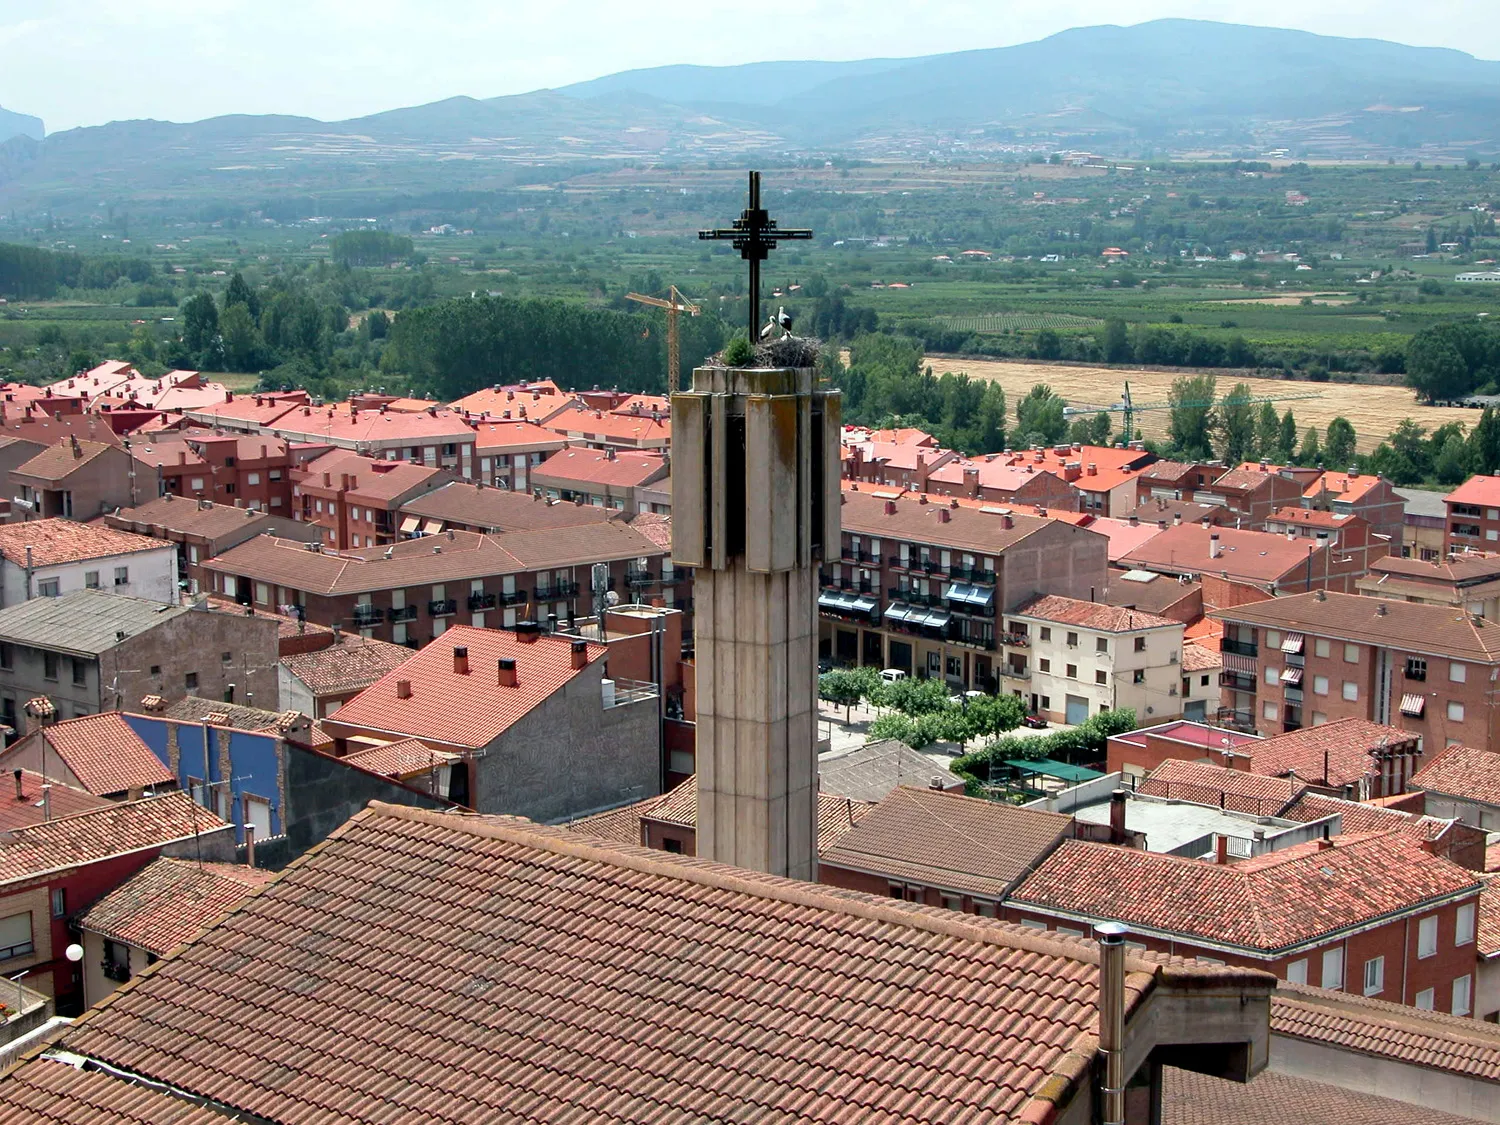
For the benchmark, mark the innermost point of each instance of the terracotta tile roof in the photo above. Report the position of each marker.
(558, 964)
(47, 1092)
(1479, 490)
(871, 771)
(1123, 535)
(57, 541)
(286, 625)
(1169, 470)
(491, 438)
(1269, 903)
(627, 468)
(1205, 784)
(471, 710)
(1361, 817)
(1242, 480)
(1092, 615)
(256, 410)
(1249, 556)
(1345, 744)
(351, 665)
(60, 460)
(1343, 486)
(592, 425)
(170, 901)
(904, 435)
(1492, 857)
(1432, 1040)
(1272, 1098)
(1456, 570)
(322, 423)
(1408, 626)
(499, 509)
(493, 400)
(968, 528)
(904, 455)
(948, 840)
(27, 808)
(104, 754)
(655, 527)
(1462, 771)
(1315, 517)
(644, 404)
(1487, 922)
(193, 708)
(400, 759)
(119, 829)
(190, 517)
(371, 478)
(1201, 658)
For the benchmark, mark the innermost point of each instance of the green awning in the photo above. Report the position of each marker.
(1046, 767)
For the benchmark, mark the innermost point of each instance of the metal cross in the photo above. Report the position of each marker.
(754, 235)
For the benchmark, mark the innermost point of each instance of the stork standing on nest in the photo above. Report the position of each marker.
(782, 321)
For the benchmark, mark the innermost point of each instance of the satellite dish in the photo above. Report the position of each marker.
(611, 599)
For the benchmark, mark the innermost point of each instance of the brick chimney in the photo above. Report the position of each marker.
(507, 672)
(580, 655)
(460, 660)
(943, 515)
(403, 689)
(1117, 817)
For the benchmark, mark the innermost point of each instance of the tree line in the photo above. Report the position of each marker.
(30, 273)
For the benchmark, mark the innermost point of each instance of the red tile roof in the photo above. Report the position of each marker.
(370, 478)
(170, 901)
(1249, 556)
(456, 710)
(119, 829)
(1361, 816)
(1347, 746)
(594, 425)
(947, 840)
(1272, 1098)
(104, 754)
(539, 397)
(1201, 658)
(1464, 772)
(1479, 490)
(491, 438)
(1123, 535)
(28, 808)
(1409, 626)
(1261, 905)
(351, 665)
(1315, 517)
(191, 517)
(56, 541)
(968, 528)
(1205, 784)
(60, 460)
(1092, 615)
(1487, 928)
(401, 759)
(561, 973)
(339, 424)
(1343, 486)
(499, 509)
(626, 468)
(45, 1091)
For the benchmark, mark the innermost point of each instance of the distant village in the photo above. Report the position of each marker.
(327, 725)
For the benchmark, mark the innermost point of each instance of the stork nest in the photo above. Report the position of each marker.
(789, 351)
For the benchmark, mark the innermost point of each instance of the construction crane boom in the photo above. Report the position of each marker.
(675, 303)
(1129, 408)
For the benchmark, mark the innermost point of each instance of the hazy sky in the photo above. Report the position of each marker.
(85, 62)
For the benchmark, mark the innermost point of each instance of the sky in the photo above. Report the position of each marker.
(87, 62)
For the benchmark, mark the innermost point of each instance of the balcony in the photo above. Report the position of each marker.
(478, 603)
(1464, 530)
(115, 971)
(959, 636)
(405, 613)
(672, 577)
(1236, 720)
(898, 562)
(557, 592)
(1015, 672)
(512, 597)
(444, 607)
(1239, 648)
(367, 616)
(1237, 681)
(972, 574)
(1019, 640)
(638, 578)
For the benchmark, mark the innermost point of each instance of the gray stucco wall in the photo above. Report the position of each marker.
(570, 756)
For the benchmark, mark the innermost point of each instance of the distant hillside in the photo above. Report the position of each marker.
(1170, 86)
(19, 124)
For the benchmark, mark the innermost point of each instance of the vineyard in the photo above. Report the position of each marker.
(994, 323)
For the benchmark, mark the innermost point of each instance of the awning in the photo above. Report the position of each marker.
(831, 599)
(1046, 767)
(1412, 703)
(1291, 676)
(864, 604)
(1292, 643)
(936, 619)
(971, 595)
(898, 611)
(959, 592)
(432, 527)
(409, 525)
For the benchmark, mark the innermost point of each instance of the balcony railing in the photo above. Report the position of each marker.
(1012, 672)
(444, 607)
(957, 636)
(1236, 720)
(1237, 681)
(405, 613)
(972, 574)
(635, 577)
(115, 971)
(898, 562)
(1239, 648)
(671, 577)
(366, 616)
(557, 591)
(1021, 640)
(512, 597)
(478, 603)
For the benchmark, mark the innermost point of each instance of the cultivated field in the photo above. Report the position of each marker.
(1374, 410)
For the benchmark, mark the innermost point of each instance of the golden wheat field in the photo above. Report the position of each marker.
(1373, 410)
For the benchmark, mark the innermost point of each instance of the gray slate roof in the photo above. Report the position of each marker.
(871, 771)
(84, 622)
(1423, 502)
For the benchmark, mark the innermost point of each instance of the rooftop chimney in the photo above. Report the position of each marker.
(1117, 817)
(890, 507)
(1214, 550)
(1111, 937)
(527, 631)
(507, 672)
(249, 845)
(1135, 520)
(580, 654)
(403, 689)
(942, 515)
(1221, 844)
(460, 660)
(20, 793)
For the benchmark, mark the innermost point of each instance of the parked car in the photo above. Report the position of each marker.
(891, 675)
(1035, 722)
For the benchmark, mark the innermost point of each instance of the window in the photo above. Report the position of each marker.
(1100, 677)
(15, 936)
(226, 657)
(673, 846)
(1033, 924)
(1455, 711)
(1462, 988)
(7, 657)
(195, 484)
(1427, 936)
(1351, 690)
(252, 478)
(1296, 972)
(952, 902)
(1046, 703)
(275, 474)
(1464, 931)
(1374, 976)
(986, 909)
(91, 579)
(49, 665)
(1416, 668)
(1273, 676)
(1319, 718)
(1072, 640)
(1351, 654)
(1424, 1000)
(1101, 644)
(48, 588)
(1072, 672)
(1320, 685)
(59, 902)
(1321, 647)
(1333, 968)
(156, 669)
(116, 961)
(80, 672)
(1046, 633)
(1273, 639)
(1140, 644)
(1203, 681)
(1138, 676)
(262, 594)
(1268, 709)
(122, 575)
(1043, 664)
(190, 681)
(1458, 673)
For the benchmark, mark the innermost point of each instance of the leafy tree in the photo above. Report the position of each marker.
(1192, 421)
(843, 687)
(1407, 439)
(912, 696)
(200, 321)
(1286, 439)
(1484, 443)
(1236, 425)
(1451, 465)
(738, 352)
(240, 293)
(991, 423)
(1039, 416)
(1114, 342)
(1338, 449)
(903, 728)
(370, 248)
(1310, 454)
(1048, 344)
(1100, 428)
(1267, 431)
(241, 338)
(994, 714)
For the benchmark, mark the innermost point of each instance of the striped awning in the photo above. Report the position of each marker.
(1413, 703)
(899, 611)
(432, 527)
(1292, 643)
(1292, 676)
(409, 524)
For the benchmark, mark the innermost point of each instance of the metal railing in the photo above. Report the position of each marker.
(556, 591)
(366, 616)
(480, 602)
(632, 691)
(442, 607)
(1239, 648)
(635, 577)
(405, 613)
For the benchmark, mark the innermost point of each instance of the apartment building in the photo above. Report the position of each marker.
(1470, 582)
(604, 478)
(1309, 659)
(1355, 546)
(509, 451)
(1424, 529)
(51, 557)
(354, 500)
(1367, 495)
(246, 414)
(1070, 659)
(237, 470)
(415, 589)
(436, 438)
(1473, 519)
(638, 426)
(994, 482)
(923, 585)
(1250, 495)
(76, 480)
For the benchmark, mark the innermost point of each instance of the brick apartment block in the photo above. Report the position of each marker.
(1473, 521)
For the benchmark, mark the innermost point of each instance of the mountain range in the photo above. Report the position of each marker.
(19, 125)
(1165, 87)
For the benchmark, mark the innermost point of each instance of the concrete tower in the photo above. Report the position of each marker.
(755, 498)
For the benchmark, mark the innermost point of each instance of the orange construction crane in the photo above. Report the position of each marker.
(676, 303)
